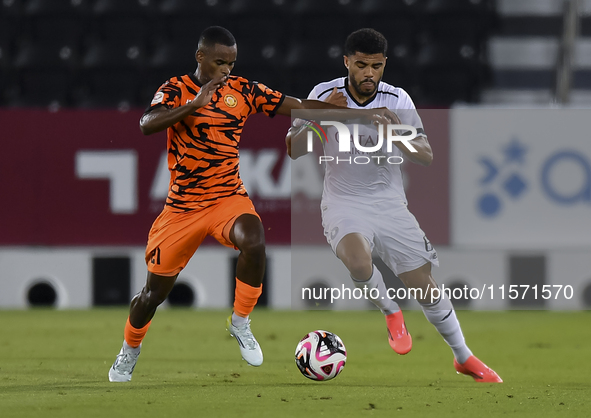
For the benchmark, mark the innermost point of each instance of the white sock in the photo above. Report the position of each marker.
(238, 320)
(376, 281)
(129, 349)
(443, 317)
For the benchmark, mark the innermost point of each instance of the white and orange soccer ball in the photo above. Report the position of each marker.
(321, 355)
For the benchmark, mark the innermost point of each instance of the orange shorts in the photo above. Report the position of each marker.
(175, 237)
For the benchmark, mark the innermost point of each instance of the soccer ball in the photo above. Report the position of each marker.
(320, 355)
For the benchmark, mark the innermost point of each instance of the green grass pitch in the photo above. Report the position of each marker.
(55, 364)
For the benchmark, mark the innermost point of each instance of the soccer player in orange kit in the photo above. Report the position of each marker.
(203, 114)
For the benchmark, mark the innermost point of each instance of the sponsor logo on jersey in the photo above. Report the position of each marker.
(158, 98)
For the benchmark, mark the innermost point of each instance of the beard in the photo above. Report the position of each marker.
(357, 87)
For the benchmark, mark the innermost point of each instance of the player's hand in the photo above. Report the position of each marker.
(336, 98)
(390, 116)
(207, 91)
(384, 116)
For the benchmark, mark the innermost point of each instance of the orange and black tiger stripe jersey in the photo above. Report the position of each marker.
(203, 147)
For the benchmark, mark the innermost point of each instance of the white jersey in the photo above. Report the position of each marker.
(361, 181)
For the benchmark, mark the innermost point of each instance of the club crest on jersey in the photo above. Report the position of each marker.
(230, 100)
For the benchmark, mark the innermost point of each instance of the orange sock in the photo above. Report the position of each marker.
(245, 298)
(134, 336)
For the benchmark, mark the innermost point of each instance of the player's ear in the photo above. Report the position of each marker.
(199, 56)
(346, 61)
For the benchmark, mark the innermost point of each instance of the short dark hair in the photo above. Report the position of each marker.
(216, 35)
(367, 41)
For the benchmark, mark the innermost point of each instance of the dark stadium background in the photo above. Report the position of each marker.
(111, 53)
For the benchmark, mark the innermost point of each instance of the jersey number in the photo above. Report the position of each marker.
(156, 256)
(428, 246)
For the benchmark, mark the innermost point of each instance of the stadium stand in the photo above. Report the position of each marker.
(209, 8)
(111, 74)
(525, 48)
(45, 70)
(112, 53)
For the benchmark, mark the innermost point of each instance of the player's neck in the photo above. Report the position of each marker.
(200, 77)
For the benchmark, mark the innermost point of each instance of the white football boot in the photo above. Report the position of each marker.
(249, 347)
(124, 364)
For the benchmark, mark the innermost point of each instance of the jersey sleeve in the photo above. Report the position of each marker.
(265, 100)
(313, 94)
(408, 114)
(168, 95)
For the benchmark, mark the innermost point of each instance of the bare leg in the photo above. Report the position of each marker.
(355, 253)
(248, 235)
(144, 304)
(142, 309)
(353, 250)
(420, 279)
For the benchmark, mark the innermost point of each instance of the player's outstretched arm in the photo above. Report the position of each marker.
(296, 137)
(160, 118)
(293, 103)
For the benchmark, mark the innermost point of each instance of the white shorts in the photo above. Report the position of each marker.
(392, 232)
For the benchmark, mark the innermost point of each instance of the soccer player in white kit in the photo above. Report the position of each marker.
(364, 206)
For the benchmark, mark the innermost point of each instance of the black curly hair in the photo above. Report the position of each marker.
(366, 41)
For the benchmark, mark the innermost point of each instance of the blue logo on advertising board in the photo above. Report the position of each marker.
(583, 194)
(507, 174)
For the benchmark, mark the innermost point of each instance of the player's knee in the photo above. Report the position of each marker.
(251, 242)
(154, 299)
(359, 267)
(254, 249)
